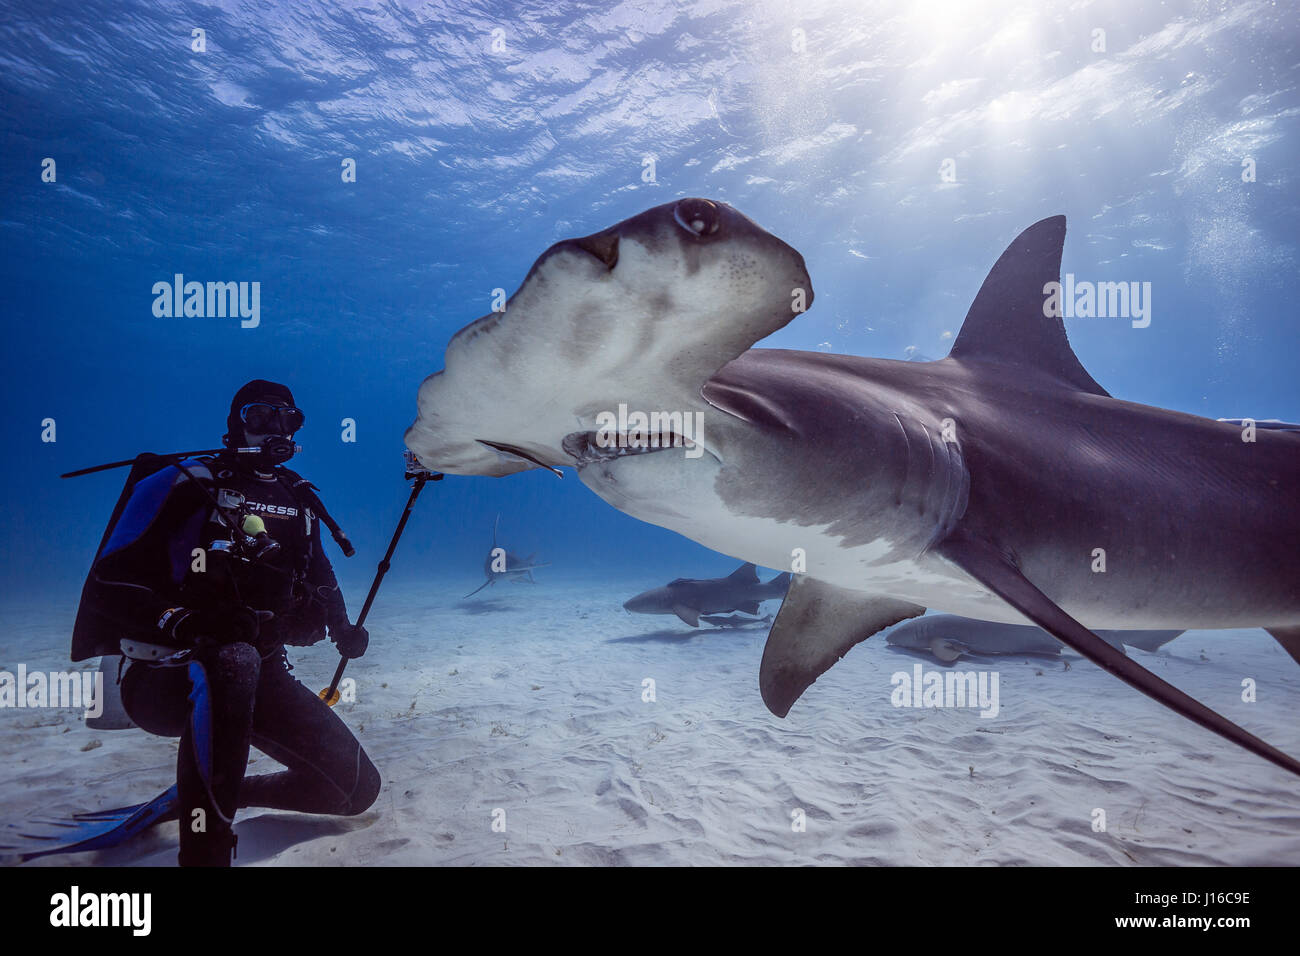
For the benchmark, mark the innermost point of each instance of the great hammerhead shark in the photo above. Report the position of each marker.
(1001, 483)
(503, 565)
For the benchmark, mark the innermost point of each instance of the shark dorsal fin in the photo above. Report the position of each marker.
(746, 572)
(1006, 323)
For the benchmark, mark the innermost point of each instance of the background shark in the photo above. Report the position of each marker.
(948, 637)
(1001, 483)
(503, 565)
(689, 598)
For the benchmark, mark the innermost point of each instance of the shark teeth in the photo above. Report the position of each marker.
(585, 449)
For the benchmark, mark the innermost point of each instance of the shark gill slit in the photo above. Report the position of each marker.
(923, 503)
(907, 459)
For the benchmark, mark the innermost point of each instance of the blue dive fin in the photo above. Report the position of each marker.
(96, 830)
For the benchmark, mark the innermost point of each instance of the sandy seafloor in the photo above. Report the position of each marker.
(529, 699)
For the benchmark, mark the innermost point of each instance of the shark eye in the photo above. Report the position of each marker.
(699, 217)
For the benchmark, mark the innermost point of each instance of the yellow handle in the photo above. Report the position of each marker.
(329, 698)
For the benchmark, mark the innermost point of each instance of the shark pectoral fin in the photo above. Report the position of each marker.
(817, 625)
(988, 565)
(480, 588)
(1289, 638)
(688, 614)
(749, 607)
(947, 650)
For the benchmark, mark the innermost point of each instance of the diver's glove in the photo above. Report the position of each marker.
(222, 624)
(351, 639)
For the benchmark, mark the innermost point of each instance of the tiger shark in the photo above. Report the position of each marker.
(1001, 483)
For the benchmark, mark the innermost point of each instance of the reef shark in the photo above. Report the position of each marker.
(689, 598)
(503, 565)
(1000, 483)
(947, 637)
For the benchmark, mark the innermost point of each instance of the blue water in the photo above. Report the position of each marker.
(226, 165)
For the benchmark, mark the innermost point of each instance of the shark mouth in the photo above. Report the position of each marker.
(587, 448)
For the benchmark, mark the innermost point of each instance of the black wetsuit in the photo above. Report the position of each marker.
(251, 696)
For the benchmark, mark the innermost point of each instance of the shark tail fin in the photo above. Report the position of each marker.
(1011, 321)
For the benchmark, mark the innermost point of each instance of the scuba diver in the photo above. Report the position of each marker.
(209, 568)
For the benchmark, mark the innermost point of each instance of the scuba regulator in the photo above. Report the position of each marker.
(249, 538)
(272, 450)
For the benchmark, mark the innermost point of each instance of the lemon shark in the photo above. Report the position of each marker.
(948, 637)
(694, 599)
(1001, 483)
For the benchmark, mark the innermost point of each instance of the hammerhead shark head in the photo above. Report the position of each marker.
(689, 598)
(503, 565)
(1001, 483)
